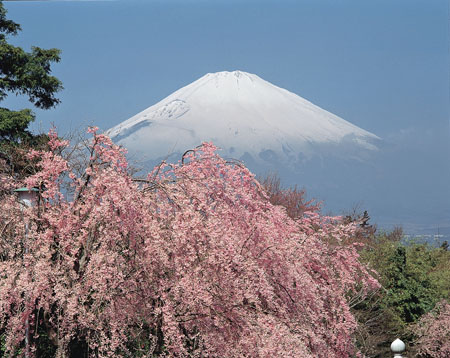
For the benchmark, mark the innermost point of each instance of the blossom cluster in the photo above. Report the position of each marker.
(191, 261)
(433, 331)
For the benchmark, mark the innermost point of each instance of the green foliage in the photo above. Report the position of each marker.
(7, 27)
(411, 277)
(409, 290)
(414, 277)
(26, 73)
(22, 73)
(14, 124)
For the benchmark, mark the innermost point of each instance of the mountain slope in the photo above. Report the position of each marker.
(275, 131)
(246, 116)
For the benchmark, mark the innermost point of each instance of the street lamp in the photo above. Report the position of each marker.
(397, 347)
(29, 198)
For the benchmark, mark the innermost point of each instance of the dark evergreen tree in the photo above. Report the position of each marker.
(22, 73)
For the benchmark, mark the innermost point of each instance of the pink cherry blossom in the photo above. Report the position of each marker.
(433, 331)
(194, 260)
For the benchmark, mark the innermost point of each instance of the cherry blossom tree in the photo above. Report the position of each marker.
(192, 261)
(433, 331)
(293, 199)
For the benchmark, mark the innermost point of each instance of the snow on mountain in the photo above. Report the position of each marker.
(247, 117)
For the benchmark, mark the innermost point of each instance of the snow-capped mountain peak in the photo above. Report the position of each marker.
(246, 116)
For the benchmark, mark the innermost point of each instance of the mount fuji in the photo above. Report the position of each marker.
(248, 118)
(273, 130)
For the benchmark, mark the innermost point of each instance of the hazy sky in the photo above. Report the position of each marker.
(382, 64)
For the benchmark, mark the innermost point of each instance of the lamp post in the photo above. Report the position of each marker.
(28, 198)
(397, 347)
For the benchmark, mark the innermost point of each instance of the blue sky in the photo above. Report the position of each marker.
(382, 65)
